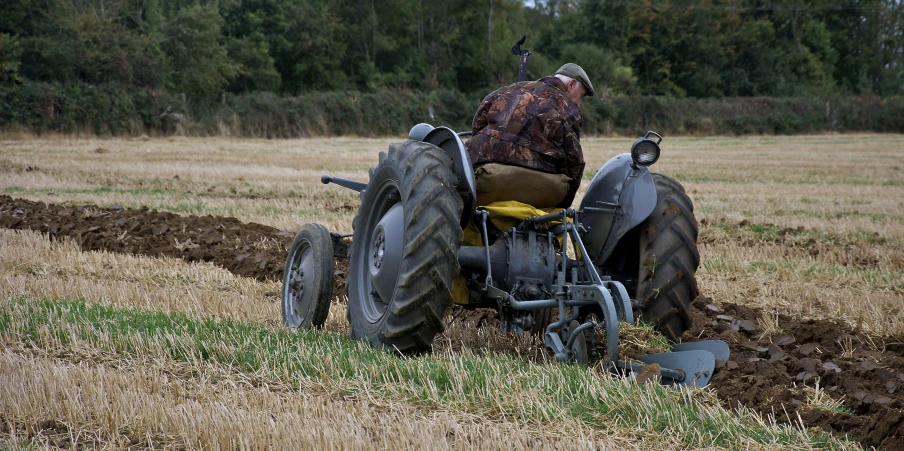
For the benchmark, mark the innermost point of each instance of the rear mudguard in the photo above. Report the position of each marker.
(620, 196)
(449, 142)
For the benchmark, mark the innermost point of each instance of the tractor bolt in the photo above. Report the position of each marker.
(379, 247)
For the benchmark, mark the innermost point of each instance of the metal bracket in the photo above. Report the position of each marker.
(326, 179)
(522, 66)
(340, 248)
(484, 216)
(501, 297)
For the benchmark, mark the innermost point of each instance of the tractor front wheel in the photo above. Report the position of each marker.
(308, 278)
(404, 252)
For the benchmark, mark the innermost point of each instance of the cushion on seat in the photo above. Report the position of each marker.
(499, 182)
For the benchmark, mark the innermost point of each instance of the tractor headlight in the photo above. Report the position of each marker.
(645, 151)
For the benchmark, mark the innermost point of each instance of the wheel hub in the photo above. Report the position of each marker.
(384, 256)
(379, 248)
(298, 283)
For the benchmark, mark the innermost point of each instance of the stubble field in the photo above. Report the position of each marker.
(130, 317)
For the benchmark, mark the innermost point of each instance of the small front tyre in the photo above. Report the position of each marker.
(308, 278)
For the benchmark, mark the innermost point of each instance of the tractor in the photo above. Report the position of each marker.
(425, 237)
(629, 251)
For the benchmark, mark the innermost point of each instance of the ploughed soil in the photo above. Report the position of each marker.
(769, 374)
(772, 373)
(245, 249)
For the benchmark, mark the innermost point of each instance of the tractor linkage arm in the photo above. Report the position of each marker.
(326, 179)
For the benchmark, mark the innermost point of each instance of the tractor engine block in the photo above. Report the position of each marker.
(521, 261)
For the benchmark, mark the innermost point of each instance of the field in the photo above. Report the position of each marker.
(140, 307)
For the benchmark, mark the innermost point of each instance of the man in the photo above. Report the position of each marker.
(526, 142)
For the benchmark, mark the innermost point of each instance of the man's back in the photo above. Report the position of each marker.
(532, 125)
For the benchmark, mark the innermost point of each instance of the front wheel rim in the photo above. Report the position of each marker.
(298, 289)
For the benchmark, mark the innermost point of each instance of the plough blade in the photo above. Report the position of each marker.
(690, 368)
(718, 347)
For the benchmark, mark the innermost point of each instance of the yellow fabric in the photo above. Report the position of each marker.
(460, 293)
(504, 215)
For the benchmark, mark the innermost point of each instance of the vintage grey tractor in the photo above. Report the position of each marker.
(627, 253)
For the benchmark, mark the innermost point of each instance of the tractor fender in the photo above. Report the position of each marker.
(450, 143)
(620, 196)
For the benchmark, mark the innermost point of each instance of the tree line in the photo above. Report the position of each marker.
(677, 48)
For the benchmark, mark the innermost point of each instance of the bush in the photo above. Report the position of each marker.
(111, 109)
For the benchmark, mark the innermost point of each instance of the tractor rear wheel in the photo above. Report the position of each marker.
(668, 260)
(404, 253)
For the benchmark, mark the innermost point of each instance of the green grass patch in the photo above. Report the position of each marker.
(198, 208)
(871, 278)
(778, 234)
(808, 181)
(495, 385)
(97, 191)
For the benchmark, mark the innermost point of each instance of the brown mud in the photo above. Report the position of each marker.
(245, 249)
(774, 374)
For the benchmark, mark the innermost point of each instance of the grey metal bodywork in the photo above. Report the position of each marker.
(620, 196)
(514, 258)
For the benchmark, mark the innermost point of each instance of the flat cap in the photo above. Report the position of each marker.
(576, 72)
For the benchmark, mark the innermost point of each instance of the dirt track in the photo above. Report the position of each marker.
(765, 374)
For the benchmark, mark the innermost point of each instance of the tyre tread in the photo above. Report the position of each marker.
(668, 237)
(430, 256)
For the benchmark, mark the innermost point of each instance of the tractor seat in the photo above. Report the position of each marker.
(498, 182)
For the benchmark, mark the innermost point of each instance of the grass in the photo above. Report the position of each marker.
(818, 398)
(495, 386)
(277, 184)
(809, 226)
(223, 176)
(153, 404)
(34, 266)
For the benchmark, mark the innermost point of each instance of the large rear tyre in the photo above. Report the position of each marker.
(668, 260)
(308, 278)
(404, 253)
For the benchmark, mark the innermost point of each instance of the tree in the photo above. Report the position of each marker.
(198, 64)
(256, 70)
(302, 38)
(9, 59)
